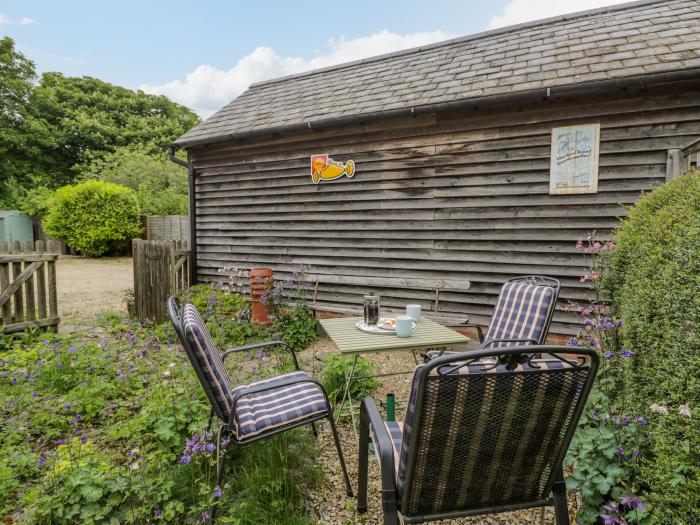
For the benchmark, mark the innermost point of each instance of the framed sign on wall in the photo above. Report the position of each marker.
(573, 164)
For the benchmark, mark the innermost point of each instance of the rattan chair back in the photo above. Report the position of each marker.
(489, 429)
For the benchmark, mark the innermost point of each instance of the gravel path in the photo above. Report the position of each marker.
(87, 287)
(329, 502)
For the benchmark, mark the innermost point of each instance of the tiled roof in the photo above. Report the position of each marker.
(626, 40)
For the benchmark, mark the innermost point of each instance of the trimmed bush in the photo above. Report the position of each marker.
(95, 217)
(655, 286)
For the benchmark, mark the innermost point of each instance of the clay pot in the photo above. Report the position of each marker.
(260, 286)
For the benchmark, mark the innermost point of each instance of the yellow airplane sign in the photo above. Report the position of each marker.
(325, 168)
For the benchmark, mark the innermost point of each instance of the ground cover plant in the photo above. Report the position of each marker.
(108, 425)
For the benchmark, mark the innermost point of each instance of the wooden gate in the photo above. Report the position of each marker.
(28, 286)
(161, 269)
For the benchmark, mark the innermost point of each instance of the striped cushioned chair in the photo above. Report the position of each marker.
(255, 410)
(485, 431)
(522, 314)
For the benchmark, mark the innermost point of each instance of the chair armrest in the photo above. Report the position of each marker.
(479, 331)
(383, 445)
(255, 346)
(492, 341)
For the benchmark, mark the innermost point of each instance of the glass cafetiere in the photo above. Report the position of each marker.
(371, 303)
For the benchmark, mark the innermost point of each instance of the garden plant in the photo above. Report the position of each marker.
(635, 455)
(108, 425)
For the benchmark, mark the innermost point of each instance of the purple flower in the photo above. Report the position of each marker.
(59, 366)
(158, 513)
(641, 421)
(72, 348)
(10, 403)
(633, 502)
(60, 441)
(205, 517)
(635, 453)
(68, 406)
(627, 353)
(573, 341)
(620, 452)
(42, 460)
(185, 459)
(210, 447)
(609, 354)
(626, 420)
(217, 492)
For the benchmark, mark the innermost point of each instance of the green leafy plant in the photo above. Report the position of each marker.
(107, 426)
(655, 285)
(605, 451)
(95, 217)
(336, 367)
(293, 319)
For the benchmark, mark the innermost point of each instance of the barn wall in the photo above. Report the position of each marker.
(459, 196)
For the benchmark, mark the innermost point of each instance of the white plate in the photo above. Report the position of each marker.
(378, 329)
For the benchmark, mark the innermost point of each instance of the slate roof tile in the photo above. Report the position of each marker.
(623, 40)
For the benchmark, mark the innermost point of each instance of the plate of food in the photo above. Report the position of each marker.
(385, 325)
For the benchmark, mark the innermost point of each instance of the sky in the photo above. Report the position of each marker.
(204, 54)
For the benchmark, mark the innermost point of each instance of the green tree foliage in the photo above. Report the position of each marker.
(18, 144)
(655, 284)
(95, 217)
(89, 118)
(49, 130)
(160, 185)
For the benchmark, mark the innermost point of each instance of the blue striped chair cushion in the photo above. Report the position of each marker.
(521, 313)
(208, 358)
(483, 366)
(395, 430)
(266, 411)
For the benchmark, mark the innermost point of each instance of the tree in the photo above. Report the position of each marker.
(89, 119)
(160, 185)
(20, 138)
(94, 217)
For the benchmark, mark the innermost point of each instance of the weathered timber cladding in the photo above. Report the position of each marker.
(458, 196)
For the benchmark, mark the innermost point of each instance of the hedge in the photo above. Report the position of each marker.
(655, 286)
(94, 217)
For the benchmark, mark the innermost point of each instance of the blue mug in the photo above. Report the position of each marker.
(404, 325)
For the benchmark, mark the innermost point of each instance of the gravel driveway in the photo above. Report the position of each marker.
(89, 286)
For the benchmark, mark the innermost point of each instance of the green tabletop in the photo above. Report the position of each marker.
(350, 340)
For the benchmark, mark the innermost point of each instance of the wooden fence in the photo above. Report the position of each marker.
(28, 286)
(161, 269)
(166, 227)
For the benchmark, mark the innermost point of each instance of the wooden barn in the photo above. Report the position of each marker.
(441, 171)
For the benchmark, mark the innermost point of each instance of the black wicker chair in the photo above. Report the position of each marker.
(257, 410)
(485, 431)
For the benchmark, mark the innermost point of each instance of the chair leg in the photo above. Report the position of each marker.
(313, 429)
(219, 479)
(363, 460)
(211, 417)
(348, 487)
(561, 511)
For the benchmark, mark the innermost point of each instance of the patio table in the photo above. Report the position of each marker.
(352, 341)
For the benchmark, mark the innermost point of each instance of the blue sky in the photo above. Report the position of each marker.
(205, 53)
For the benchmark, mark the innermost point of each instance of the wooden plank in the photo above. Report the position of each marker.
(52, 289)
(5, 283)
(41, 291)
(16, 272)
(36, 323)
(29, 286)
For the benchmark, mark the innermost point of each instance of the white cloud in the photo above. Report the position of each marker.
(208, 88)
(519, 11)
(6, 20)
